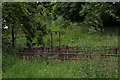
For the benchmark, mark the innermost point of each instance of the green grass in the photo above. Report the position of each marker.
(82, 68)
(78, 37)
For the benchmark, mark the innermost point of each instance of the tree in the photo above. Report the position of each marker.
(97, 14)
(68, 10)
(11, 17)
(23, 15)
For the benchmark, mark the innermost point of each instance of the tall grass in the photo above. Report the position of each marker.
(82, 68)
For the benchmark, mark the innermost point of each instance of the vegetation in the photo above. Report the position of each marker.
(80, 24)
(67, 69)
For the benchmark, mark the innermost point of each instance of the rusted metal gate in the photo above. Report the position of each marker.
(52, 39)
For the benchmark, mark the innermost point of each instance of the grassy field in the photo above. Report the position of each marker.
(82, 68)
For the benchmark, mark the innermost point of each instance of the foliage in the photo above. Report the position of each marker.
(95, 14)
(69, 11)
(23, 15)
(34, 19)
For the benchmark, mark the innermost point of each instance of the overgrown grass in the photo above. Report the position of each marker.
(9, 58)
(82, 68)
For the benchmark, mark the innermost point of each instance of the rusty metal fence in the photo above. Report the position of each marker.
(70, 52)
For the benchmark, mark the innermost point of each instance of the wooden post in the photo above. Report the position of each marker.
(59, 40)
(67, 52)
(61, 55)
(116, 50)
(51, 42)
(13, 37)
(77, 52)
(46, 59)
